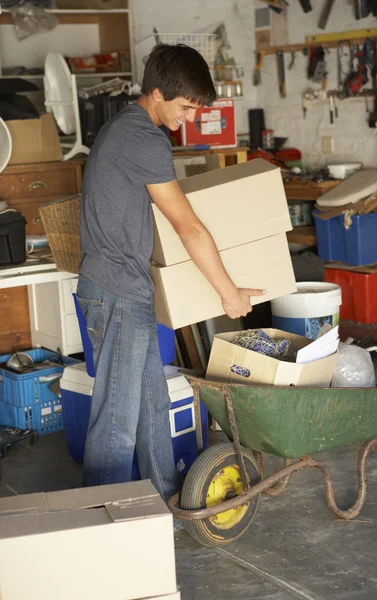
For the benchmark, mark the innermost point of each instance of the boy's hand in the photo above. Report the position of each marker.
(239, 304)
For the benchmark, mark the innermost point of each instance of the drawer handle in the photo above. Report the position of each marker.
(37, 220)
(37, 185)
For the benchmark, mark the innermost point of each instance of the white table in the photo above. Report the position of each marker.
(53, 321)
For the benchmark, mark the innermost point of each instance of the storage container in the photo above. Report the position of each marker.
(12, 237)
(359, 294)
(304, 313)
(26, 401)
(77, 388)
(354, 246)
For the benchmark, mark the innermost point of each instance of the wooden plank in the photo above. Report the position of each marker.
(303, 235)
(14, 320)
(191, 348)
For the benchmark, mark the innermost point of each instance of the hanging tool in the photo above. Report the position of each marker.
(304, 107)
(331, 107)
(281, 73)
(358, 77)
(306, 5)
(257, 77)
(317, 64)
(325, 13)
(293, 60)
(361, 8)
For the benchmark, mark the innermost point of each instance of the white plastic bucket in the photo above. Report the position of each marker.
(5, 145)
(314, 305)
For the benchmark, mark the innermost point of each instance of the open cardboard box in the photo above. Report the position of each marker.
(34, 140)
(226, 358)
(112, 541)
(238, 205)
(183, 295)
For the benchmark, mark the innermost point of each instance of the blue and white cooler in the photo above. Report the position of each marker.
(77, 387)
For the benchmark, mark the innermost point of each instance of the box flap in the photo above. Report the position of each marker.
(21, 505)
(228, 175)
(137, 508)
(100, 495)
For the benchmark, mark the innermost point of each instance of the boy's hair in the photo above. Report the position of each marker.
(178, 72)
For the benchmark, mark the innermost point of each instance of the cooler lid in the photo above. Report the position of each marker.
(75, 376)
(177, 383)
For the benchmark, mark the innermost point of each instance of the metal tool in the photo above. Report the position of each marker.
(257, 77)
(293, 60)
(326, 13)
(281, 74)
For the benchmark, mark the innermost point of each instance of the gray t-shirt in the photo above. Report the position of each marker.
(116, 216)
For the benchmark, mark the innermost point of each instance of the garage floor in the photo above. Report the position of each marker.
(294, 549)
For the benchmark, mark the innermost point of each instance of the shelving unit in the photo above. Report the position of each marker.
(306, 192)
(114, 34)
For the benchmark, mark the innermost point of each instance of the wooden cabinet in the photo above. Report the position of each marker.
(25, 187)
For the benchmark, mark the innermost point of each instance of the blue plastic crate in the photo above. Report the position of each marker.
(355, 246)
(26, 398)
(45, 417)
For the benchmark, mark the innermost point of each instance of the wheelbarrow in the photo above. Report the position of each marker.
(221, 491)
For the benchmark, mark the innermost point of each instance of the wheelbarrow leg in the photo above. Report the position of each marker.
(279, 488)
(198, 418)
(235, 437)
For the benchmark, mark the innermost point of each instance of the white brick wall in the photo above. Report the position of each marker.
(176, 16)
(353, 138)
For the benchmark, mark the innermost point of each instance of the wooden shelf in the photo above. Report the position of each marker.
(308, 191)
(303, 235)
(74, 17)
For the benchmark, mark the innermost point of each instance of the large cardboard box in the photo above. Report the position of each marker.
(184, 296)
(239, 204)
(112, 541)
(227, 360)
(34, 140)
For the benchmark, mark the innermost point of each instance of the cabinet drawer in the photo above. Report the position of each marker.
(30, 210)
(69, 287)
(36, 184)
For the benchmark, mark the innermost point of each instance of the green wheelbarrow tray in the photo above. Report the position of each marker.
(290, 422)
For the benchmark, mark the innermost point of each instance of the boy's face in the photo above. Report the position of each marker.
(174, 113)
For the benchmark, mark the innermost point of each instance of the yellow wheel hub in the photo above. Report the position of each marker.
(225, 485)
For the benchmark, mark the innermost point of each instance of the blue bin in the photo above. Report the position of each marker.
(26, 401)
(355, 246)
(77, 386)
(166, 341)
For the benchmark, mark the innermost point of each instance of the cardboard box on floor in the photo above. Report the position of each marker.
(34, 140)
(238, 205)
(261, 369)
(183, 295)
(113, 541)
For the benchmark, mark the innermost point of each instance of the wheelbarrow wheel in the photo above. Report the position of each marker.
(213, 478)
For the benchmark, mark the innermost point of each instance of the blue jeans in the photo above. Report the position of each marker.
(130, 401)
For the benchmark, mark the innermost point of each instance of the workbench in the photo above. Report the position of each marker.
(226, 156)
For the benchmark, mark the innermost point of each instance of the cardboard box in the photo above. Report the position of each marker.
(214, 125)
(62, 548)
(34, 140)
(260, 369)
(238, 205)
(184, 296)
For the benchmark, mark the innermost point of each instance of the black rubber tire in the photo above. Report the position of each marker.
(195, 489)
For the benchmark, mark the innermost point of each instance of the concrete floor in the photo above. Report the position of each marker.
(294, 549)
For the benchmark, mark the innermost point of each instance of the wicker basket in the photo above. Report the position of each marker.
(61, 221)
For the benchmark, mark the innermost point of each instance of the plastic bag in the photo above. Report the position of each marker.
(354, 368)
(29, 20)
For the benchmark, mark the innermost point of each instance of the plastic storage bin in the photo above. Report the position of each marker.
(166, 341)
(12, 238)
(359, 294)
(354, 246)
(26, 401)
(77, 387)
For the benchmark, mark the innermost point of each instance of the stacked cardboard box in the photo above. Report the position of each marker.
(244, 207)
